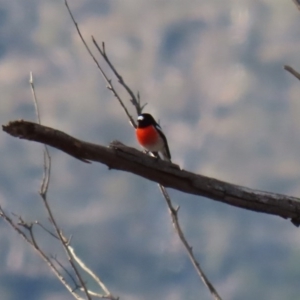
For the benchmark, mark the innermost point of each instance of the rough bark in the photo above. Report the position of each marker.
(120, 157)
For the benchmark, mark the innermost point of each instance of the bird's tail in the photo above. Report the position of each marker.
(161, 155)
(165, 155)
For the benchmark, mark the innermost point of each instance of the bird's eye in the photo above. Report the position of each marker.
(140, 118)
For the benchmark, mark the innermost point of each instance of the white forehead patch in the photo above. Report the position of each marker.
(140, 118)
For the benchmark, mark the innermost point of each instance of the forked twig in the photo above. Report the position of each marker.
(67, 272)
(135, 100)
(106, 79)
(36, 247)
(64, 241)
(43, 193)
(174, 215)
(107, 295)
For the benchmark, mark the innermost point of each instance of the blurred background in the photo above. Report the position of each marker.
(212, 73)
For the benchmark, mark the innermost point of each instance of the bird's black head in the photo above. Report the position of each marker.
(145, 120)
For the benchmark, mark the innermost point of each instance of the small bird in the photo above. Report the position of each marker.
(151, 137)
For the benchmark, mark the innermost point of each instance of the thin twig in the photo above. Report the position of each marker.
(37, 110)
(62, 238)
(35, 246)
(43, 193)
(107, 80)
(46, 155)
(135, 100)
(174, 215)
(292, 71)
(47, 230)
(67, 272)
(107, 295)
(99, 295)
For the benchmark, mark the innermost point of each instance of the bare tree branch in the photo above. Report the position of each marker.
(135, 100)
(43, 192)
(65, 244)
(76, 286)
(108, 81)
(47, 158)
(101, 284)
(121, 157)
(174, 215)
(46, 229)
(35, 245)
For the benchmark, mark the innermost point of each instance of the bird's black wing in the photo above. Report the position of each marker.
(164, 139)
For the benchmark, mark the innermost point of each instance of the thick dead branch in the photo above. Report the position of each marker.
(120, 157)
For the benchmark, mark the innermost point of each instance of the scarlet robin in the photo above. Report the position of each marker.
(151, 137)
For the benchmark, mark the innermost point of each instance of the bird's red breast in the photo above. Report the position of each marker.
(147, 136)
